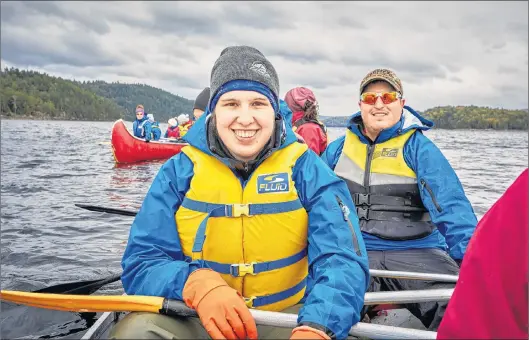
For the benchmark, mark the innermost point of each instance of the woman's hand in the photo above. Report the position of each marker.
(221, 308)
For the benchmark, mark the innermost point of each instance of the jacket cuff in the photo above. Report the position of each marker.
(319, 327)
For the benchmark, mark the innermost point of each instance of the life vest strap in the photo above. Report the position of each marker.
(254, 268)
(368, 214)
(237, 210)
(258, 301)
(371, 199)
(302, 121)
(233, 210)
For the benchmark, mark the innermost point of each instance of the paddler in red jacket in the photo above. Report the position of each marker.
(490, 298)
(172, 129)
(302, 102)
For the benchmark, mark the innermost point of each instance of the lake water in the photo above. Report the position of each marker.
(46, 240)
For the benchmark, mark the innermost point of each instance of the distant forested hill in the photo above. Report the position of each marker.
(36, 95)
(162, 104)
(30, 94)
(475, 117)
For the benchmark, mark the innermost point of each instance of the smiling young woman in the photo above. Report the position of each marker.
(245, 122)
(261, 198)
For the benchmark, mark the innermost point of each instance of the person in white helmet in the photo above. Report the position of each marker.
(172, 129)
(184, 123)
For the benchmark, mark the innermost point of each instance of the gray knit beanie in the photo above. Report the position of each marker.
(243, 63)
(201, 102)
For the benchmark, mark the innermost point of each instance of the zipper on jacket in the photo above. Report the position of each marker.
(427, 187)
(367, 170)
(345, 212)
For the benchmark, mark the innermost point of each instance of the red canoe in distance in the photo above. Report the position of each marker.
(129, 149)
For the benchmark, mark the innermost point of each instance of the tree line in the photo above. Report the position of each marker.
(31, 94)
(162, 104)
(461, 117)
(475, 117)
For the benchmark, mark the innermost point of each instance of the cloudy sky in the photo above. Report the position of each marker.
(446, 53)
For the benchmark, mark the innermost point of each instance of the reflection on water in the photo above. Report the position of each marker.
(46, 240)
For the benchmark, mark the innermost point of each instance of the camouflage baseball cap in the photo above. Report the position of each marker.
(382, 74)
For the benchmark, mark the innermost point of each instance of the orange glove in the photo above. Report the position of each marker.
(221, 308)
(306, 332)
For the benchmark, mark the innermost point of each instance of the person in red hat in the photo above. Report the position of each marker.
(490, 298)
(304, 106)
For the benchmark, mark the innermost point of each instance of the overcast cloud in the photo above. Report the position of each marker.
(446, 53)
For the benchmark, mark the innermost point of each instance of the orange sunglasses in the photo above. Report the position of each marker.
(370, 98)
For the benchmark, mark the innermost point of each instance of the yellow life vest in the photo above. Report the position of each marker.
(384, 188)
(255, 236)
(183, 130)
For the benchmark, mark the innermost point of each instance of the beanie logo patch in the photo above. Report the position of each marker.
(259, 68)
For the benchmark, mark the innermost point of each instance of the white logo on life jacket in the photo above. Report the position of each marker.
(273, 183)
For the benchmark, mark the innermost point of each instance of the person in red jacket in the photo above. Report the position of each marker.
(302, 102)
(490, 298)
(172, 129)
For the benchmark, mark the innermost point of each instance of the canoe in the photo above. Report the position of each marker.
(103, 325)
(399, 318)
(129, 149)
(408, 326)
(402, 324)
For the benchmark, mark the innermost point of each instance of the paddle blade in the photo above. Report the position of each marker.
(106, 210)
(80, 287)
(83, 303)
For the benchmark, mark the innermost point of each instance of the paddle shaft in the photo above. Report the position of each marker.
(287, 320)
(413, 275)
(137, 303)
(153, 304)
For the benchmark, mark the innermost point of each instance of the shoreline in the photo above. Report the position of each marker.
(39, 118)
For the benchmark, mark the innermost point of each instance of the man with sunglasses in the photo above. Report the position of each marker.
(413, 211)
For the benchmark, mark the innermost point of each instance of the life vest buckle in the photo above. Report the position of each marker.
(238, 210)
(241, 269)
(362, 199)
(249, 301)
(363, 213)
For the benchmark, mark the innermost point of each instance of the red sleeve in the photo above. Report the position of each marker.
(323, 141)
(313, 136)
(490, 298)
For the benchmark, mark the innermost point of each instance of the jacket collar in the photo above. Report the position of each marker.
(410, 119)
